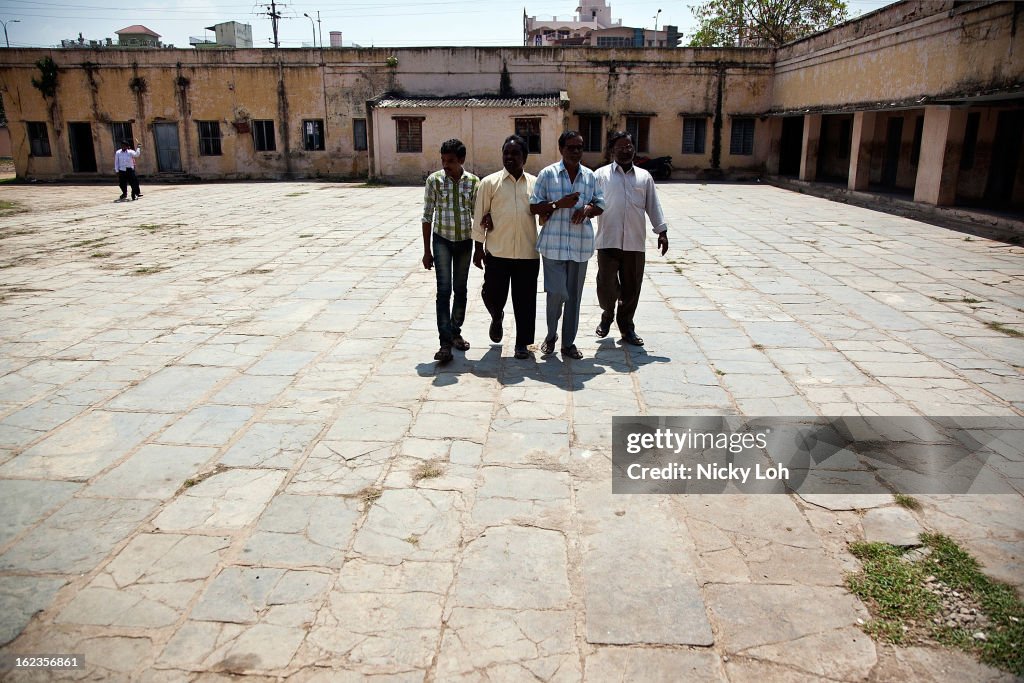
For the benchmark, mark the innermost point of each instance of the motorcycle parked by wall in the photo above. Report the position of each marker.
(659, 167)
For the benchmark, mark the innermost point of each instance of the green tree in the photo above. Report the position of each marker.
(763, 23)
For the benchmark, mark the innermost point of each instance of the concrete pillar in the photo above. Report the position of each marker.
(939, 163)
(809, 157)
(862, 141)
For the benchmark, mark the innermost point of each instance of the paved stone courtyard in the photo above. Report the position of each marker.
(225, 446)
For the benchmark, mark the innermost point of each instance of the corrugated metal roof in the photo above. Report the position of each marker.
(464, 102)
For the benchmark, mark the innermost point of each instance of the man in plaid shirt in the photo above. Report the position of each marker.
(448, 227)
(567, 194)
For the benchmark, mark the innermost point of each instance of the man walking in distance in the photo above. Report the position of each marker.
(507, 244)
(567, 194)
(448, 227)
(628, 194)
(124, 164)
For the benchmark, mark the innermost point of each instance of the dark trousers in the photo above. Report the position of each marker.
(521, 274)
(126, 178)
(619, 276)
(451, 265)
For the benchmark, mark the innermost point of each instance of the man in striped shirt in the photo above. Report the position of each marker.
(568, 195)
(448, 229)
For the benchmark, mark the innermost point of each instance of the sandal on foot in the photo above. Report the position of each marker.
(572, 352)
(548, 346)
(444, 354)
(460, 343)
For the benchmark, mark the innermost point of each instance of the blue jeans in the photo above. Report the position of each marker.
(451, 265)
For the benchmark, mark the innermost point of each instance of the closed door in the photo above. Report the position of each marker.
(83, 154)
(168, 155)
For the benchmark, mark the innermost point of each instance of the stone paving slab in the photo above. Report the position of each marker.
(225, 449)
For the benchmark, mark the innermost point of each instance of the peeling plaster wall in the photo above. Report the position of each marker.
(940, 51)
(482, 130)
(899, 54)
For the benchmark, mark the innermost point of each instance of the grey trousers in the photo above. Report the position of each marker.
(563, 282)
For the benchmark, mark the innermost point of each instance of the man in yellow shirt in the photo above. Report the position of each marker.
(509, 248)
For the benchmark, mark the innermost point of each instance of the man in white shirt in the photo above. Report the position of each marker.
(629, 193)
(124, 164)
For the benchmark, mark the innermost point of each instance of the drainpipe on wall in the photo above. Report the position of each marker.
(282, 109)
(371, 165)
(181, 84)
(716, 126)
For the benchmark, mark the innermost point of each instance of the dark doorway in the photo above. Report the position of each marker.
(791, 145)
(168, 155)
(83, 154)
(893, 143)
(1006, 150)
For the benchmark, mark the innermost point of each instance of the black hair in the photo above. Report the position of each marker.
(517, 140)
(613, 137)
(126, 143)
(454, 146)
(617, 135)
(566, 135)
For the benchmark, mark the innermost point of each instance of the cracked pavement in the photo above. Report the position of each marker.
(224, 446)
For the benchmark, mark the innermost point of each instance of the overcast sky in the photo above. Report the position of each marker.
(396, 23)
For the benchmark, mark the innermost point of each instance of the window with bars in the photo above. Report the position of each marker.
(695, 133)
(313, 135)
(121, 131)
(209, 138)
(38, 139)
(263, 135)
(359, 135)
(590, 129)
(409, 132)
(529, 130)
(615, 41)
(639, 128)
(741, 142)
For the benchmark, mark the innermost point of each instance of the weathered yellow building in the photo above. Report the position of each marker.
(921, 97)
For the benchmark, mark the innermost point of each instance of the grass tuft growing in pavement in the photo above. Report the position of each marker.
(148, 270)
(906, 501)
(7, 208)
(938, 595)
(999, 327)
(427, 470)
(369, 495)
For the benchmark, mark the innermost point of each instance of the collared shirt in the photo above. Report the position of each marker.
(448, 206)
(508, 202)
(123, 160)
(627, 197)
(559, 238)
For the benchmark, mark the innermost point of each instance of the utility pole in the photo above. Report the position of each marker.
(320, 28)
(275, 16)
